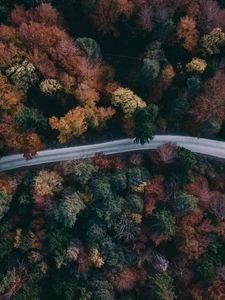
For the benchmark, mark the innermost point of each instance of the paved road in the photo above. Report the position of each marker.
(197, 145)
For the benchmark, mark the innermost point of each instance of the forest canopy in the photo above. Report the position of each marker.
(132, 226)
(72, 70)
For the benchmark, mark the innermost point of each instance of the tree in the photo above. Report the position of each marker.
(101, 189)
(31, 119)
(163, 223)
(80, 170)
(95, 234)
(212, 43)
(10, 97)
(211, 127)
(23, 74)
(127, 229)
(150, 70)
(187, 32)
(164, 154)
(185, 161)
(211, 16)
(135, 203)
(217, 207)
(154, 192)
(124, 280)
(194, 84)
(210, 103)
(126, 100)
(185, 202)
(101, 290)
(205, 270)
(78, 120)
(138, 175)
(90, 47)
(161, 283)
(72, 124)
(50, 87)
(46, 183)
(5, 200)
(104, 14)
(196, 65)
(119, 181)
(200, 188)
(145, 126)
(69, 208)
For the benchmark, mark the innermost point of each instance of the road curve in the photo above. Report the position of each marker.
(197, 145)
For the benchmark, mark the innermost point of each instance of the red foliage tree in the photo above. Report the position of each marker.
(211, 102)
(154, 192)
(102, 161)
(190, 241)
(200, 189)
(106, 13)
(124, 280)
(164, 154)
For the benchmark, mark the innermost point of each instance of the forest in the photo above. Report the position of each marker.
(146, 225)
(75, 72)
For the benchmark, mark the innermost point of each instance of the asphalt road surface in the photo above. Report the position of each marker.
(197, 145)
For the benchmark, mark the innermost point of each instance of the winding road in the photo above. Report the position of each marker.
(197, 145)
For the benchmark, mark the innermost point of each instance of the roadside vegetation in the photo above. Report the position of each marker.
(74, 70)
(145, 225)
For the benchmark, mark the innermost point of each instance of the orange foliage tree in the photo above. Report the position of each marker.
(37, 35)
(187, 31)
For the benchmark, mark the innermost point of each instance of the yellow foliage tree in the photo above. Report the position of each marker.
(46, 183)
(126, 100)
(77, 121)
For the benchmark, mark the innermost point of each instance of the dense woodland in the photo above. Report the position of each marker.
(133, 227)
(74, 70)
(140, 226)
